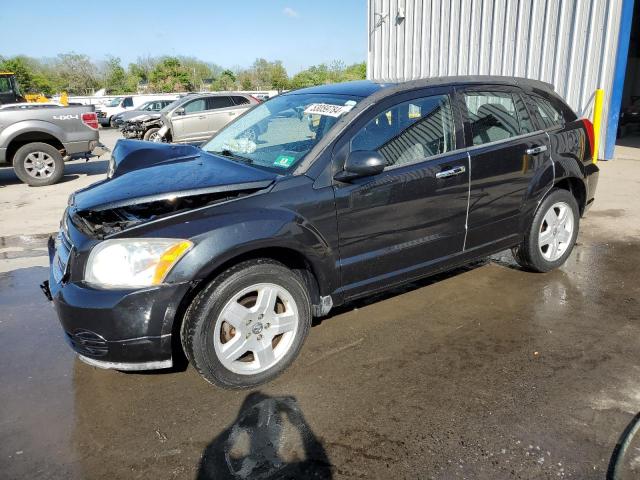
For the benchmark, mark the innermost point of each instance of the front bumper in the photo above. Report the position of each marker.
(119, 329)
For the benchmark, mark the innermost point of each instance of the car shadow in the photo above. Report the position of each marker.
(72, 171)
(269, 439)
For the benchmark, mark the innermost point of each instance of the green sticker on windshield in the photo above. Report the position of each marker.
(284, 161)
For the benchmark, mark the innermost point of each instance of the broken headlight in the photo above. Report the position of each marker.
(133, 263)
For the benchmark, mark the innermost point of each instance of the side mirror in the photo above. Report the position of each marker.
(361, 163)
(179, 111)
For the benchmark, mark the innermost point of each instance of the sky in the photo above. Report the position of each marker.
(227, 32)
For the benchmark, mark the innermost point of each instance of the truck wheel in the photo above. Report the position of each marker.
(38, 164)
(152, 131)
(552, 234)
(248, 325)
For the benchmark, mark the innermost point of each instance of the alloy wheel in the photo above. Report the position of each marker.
(556, 231)
(256, 328)
(39, 165)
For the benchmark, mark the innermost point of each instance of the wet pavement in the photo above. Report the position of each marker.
(485, 372)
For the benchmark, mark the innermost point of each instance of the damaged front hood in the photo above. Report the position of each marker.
(147, 172)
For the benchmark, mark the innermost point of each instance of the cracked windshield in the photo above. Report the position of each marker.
(279, 133)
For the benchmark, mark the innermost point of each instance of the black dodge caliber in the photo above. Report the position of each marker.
(309, 200)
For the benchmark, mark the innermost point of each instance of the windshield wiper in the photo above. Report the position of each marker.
(229, 154)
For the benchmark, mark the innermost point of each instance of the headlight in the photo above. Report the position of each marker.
(129, 263)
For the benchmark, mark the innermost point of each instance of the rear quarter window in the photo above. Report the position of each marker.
(550, 112)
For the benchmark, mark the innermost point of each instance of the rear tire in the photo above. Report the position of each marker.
(38, 164)
(549, 240)
(248, 325)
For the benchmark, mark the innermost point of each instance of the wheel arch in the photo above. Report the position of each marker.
(577, 188)
(31, 137)
(290, 257)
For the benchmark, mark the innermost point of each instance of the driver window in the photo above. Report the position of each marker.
(196, 106)
(410, 132)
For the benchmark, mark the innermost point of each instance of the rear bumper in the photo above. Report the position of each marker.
(592, 173)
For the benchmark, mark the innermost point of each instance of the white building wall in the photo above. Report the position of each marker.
(568, 43)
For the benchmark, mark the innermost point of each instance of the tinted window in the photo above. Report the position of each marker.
(549, 115)
(238, 100)
(496, 116)
(195, 106)
(127, 102)
(219, 102)
(5, 85)
(410, 132)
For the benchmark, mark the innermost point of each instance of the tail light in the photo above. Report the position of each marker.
(588, 126)
(90, 119)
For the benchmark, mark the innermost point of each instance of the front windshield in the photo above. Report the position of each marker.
(171, 106)
(146, 106)
(115, 102)
(279, 133)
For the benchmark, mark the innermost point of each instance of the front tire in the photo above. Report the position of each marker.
(248, 325)
(552, 234)
(38, 164)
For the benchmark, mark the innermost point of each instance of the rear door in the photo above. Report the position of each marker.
(221, 110)
(410, 217)
(506, 153)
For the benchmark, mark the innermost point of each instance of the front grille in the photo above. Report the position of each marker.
(87, 342)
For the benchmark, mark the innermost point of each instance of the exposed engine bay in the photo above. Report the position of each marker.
(102, 223)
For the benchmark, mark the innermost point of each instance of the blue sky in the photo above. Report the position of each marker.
(229, 33)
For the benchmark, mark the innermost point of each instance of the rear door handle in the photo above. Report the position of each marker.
(536, 150)
(451, 173)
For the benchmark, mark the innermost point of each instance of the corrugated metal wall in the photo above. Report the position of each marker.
(569, 43)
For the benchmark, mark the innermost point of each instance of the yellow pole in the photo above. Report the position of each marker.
(597, 122)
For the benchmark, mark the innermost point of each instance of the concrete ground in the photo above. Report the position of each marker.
(486, 372)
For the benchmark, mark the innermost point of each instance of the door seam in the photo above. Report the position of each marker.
(466, 219)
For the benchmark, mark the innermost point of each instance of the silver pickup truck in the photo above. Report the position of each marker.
(37, 139)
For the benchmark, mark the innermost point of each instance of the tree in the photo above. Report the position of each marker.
(29, 73)
(226, 81)
(169, 75)
(115, 78)
(76, 73)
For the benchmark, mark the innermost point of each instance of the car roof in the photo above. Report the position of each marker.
(366, 88)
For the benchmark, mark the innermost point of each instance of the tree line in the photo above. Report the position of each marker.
(77, 74)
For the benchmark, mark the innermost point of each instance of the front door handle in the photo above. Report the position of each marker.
(451, 173)
(536, 150)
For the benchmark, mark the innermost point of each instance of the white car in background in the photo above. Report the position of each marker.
(107, 112)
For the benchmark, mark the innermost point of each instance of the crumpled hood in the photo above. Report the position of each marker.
(147, 171)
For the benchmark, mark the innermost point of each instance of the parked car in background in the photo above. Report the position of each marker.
(629, 116)
(152, 106)
(107, 112)
(231, 249)
(194, 118)
(37, 138)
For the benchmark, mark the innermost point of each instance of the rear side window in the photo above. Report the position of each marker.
(238, 100)
(410, 131)
(127, 102)
(214, 103)
(495, 116)
(548, 115)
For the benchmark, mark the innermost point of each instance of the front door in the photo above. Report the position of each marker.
(192, 125)
(411, 217)
(505, 153)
